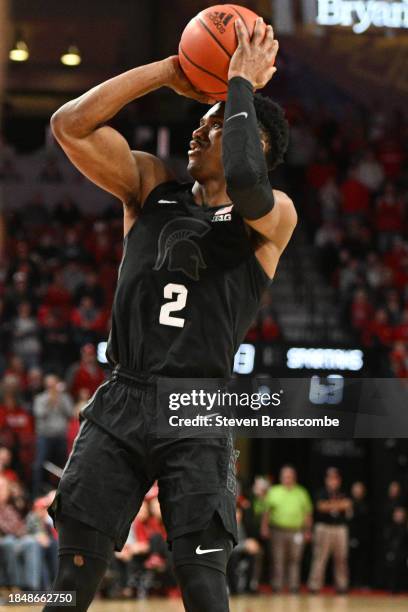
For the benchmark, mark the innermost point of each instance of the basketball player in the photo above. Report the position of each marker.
(196, 261)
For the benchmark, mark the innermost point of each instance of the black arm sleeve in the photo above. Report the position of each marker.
(245, 168)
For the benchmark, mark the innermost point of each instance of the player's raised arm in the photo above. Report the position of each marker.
(99, 151)
(270, 213)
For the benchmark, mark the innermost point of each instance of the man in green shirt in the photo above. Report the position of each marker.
(288, 520)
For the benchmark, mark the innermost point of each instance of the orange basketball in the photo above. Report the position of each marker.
(207, 45)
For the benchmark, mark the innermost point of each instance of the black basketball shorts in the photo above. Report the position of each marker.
(117, 456)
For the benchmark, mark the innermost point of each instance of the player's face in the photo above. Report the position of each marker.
(205, 153)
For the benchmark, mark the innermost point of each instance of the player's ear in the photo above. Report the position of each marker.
(265, 144)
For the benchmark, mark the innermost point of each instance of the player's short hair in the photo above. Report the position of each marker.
(272, 121)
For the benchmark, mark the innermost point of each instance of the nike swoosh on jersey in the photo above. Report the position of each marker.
(244, 114)
(167, 201)
(200, 551)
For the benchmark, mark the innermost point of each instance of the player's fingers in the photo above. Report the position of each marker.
(259, 31)
(268, 40)
(274, 48)
(202, 97)
(241, 32)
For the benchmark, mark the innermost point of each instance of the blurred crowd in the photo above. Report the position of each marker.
(348, 177)
(58, 271)
(350, 180)
(289, 540)
(290, 537)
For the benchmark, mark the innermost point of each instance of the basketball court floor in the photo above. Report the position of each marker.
(262, 603)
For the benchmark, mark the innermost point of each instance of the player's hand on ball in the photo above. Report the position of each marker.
(179, 83)
(254, 58)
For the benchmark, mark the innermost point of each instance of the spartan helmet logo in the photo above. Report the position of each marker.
(175, 244)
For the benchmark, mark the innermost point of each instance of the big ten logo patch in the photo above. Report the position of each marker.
(220, 20)
(224, 214)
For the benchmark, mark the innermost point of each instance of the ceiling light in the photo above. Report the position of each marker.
(19, 52)
(71, 57)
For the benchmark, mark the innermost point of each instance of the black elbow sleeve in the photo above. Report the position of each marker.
(245, 168)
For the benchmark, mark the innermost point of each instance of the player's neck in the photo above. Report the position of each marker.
(211, 193)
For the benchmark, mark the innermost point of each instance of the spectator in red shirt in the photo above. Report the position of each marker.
(88, 321)
(401, 275)
(19, 291)
(5, 462)
(379, 332)
(151, 530)
(92, 288)
(361, 310)
(269, 329)
(57, 341)
(396, 254)
(393, 307)
(57, 295)
(16, 427)
(355, 197)
(86, 374)
(389, 216)
(399, 359)
(141, 528)
(391, 156)
(100, 244)
(401, 330)
(16, 369)
(25, 263)
(73, 425)
(253, 332)
(321, 170)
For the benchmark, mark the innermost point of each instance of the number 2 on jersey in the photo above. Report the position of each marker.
(170, 291)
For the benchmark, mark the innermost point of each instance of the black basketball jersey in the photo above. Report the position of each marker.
(188, 288)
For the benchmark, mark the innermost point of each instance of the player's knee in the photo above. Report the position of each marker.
(192, 592)
(69, 576)
(203, 588)
(80, 574)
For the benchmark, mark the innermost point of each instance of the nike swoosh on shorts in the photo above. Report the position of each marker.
(167, 201)
(199, 550)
